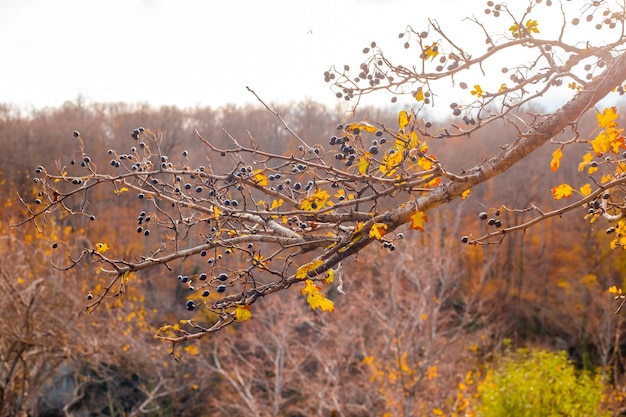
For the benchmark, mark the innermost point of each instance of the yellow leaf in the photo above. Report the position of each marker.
(532, 26)
(303, 271)
(466, 193)
(557, 155)
(420, 95)
(502, 88)
(315, 299)
(364, 163)
(431, 51)
(276, 204)
(431, 372)
(477, 91)
(390, 162)
(242, 313)
(260, 178)
(329, 276)
(607, 118)
(191, 349)
(615, 290)
(587, 158)
(260, 263)
(121, 190)
(216, 212)
(585, 190)
(378, 230)
(125, 277)
(562, 191)
(102, 247)
(418, 218)
(315, 202)
(608, 140)
(362, 126)
(403, 119)
(318, 300)
(426, 163)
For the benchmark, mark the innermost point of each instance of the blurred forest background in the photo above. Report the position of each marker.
(426, 331)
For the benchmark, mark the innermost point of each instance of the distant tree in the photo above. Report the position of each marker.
(250, 223)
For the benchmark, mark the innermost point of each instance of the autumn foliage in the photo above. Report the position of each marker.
(199, 253)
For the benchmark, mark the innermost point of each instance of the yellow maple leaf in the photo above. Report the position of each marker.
(403, 119)
(420, 95)
(242, 313)
(532, 26)
(329, 276)
(364, 163)
(607, 118)
(191, 349)
(102, 247)
(477, 91)
(620, 236)
(315, 299)
(259, 262)
(557, 155)
(585, 190)
(587, 158)
(378, 230)
(260, 178)
(315, 202)
(303, 271)
(431, 51)
(609, 139)
(466, 193)
(121, 190)
(390, 161)
(125, 277)
(418, 218)
(562, 191)
(362, 126)
(276, 204)
(606, 178)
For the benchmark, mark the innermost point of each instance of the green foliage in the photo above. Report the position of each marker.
(538, 383)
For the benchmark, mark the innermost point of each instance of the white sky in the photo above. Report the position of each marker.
(199, 52)
(190, 52)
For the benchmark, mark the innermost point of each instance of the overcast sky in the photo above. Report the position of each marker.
(190, 52)
(198, 52)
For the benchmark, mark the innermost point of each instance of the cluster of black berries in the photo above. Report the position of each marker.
(142, 220)
(493, 221)
(135, 133)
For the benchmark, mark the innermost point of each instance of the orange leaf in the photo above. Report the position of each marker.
(562, 191)
(378, 230)
(607, 118)
(556, 159)
(418, 218)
